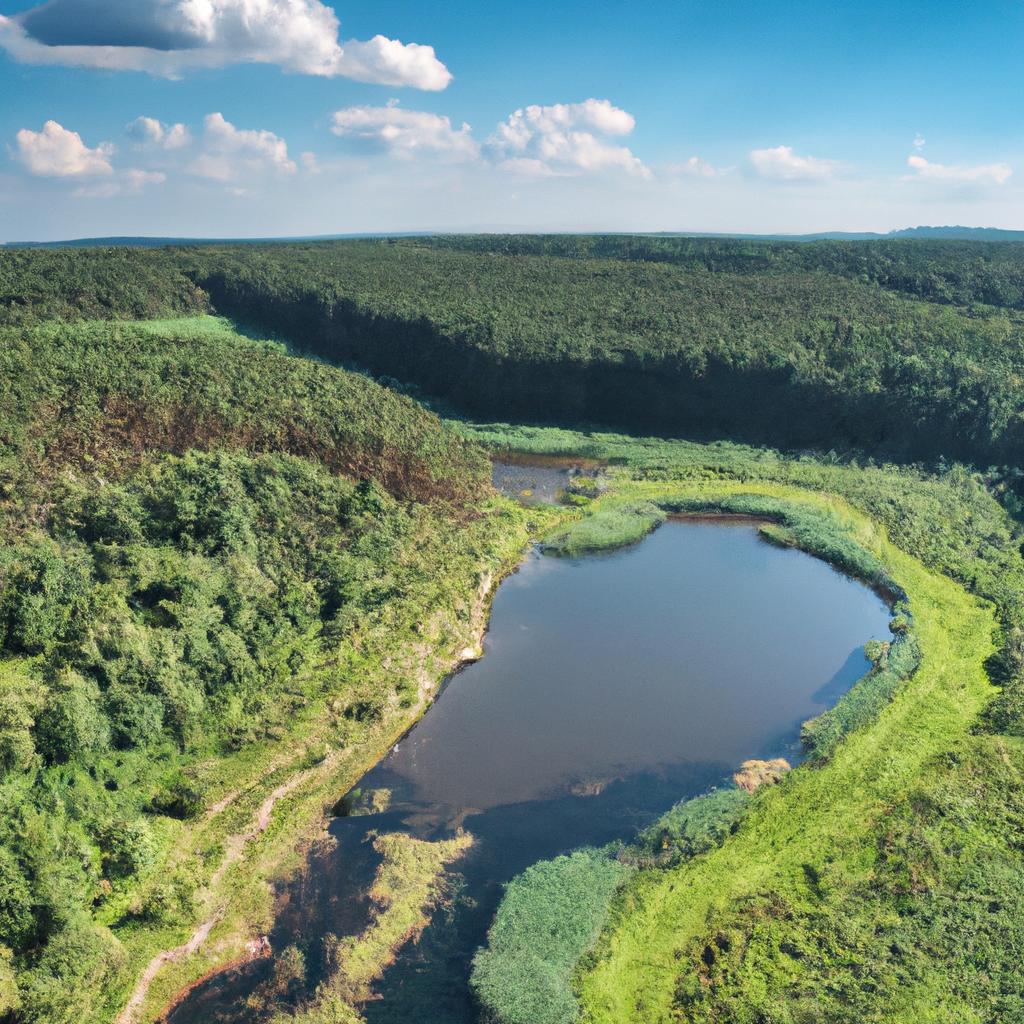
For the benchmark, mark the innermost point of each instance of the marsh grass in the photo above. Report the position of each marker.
(549, 918)
(608, 526)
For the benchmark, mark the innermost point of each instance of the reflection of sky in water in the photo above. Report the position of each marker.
(702, 644)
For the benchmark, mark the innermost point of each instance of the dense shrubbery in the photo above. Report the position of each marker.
(195, 532)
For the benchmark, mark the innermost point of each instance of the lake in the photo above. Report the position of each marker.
(612, 686)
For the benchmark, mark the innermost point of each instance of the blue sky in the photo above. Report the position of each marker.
(263, 117)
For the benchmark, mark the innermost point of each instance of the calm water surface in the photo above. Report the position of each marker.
(612, 687)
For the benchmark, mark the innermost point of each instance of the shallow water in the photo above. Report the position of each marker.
(612, 687)
(532, 484)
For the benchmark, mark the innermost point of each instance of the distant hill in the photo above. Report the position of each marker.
(950, 232)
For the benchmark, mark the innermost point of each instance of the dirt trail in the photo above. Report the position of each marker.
(235, 845)
(234, 850)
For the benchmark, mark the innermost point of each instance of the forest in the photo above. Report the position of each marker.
(909, 349)
(223, 556)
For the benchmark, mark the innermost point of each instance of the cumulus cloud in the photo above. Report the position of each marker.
(919, 141)
(406, 133)
(56, 152)
(148, 131)
(566, 138)
(169, 37)
(782, 164)
(229, 153)
(980, 174)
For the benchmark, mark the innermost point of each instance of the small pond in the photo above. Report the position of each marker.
(612, 686)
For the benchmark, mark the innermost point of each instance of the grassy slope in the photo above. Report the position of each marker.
(833, 810)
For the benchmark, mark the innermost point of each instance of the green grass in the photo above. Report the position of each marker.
(608, 526)
(830, 812)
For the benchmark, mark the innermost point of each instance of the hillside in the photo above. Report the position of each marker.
(207, 546)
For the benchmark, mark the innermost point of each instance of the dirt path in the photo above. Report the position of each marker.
(235, 844)
(234, 850)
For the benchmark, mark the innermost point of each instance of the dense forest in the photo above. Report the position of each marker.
(907, 348)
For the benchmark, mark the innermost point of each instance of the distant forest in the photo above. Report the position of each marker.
(901, 348)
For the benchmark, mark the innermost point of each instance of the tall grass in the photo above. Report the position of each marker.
(550, 917)
(608, 526)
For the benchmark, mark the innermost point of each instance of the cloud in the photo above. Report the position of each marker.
(695, 168)
(229, 153)
(406, 133)
(782, 164)
(981, 174)
(384, 61)
(56, 152)
(919, 141)
(169, 37)
(564, 138)
(148, 131)
(130, 182)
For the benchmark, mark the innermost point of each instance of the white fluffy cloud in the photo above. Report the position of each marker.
(406, 133)
(56, 152)
(148, 131)
(566, 138)
(169, 37)
(782, 164)
(230, 153)
(980, 174)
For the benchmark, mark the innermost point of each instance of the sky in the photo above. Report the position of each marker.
(255, 118)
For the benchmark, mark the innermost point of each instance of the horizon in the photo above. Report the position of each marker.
(947, 232)
(272, 119)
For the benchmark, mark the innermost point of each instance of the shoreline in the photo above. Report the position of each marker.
(325, 778)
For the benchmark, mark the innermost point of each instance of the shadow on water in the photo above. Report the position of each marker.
(612, 688)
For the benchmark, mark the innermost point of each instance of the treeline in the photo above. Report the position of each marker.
(960, 272)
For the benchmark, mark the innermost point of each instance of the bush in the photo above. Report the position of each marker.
(71, 724)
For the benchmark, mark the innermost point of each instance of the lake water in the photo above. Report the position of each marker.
(612, 686)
